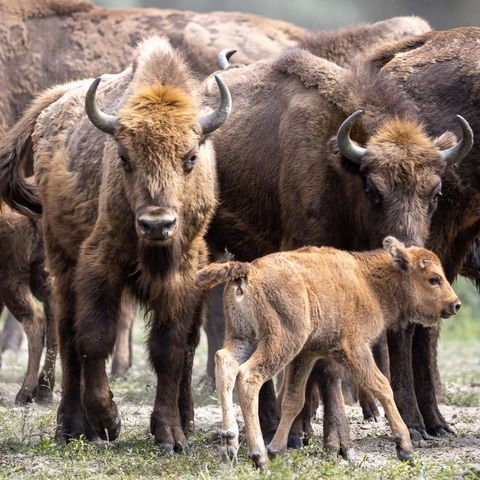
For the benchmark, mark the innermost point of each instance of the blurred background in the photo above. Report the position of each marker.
(324, 14)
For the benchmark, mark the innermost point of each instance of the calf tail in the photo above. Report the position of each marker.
(217, 273)
(16, 150)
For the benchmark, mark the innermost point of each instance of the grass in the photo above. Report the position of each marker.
(28, 451)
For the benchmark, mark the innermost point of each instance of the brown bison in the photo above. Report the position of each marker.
(126, 198)
(23, 278)
(84, 40)
(291, 175)
(279, 315)
(438, 70)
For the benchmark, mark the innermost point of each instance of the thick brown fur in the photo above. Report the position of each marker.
(24, 279)
(287, 309)
(94, 190)
(85, 40)
(438, 70)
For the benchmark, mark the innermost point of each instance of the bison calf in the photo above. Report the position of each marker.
(288, 309)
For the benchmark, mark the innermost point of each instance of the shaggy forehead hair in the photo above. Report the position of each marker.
(402, 148)
(159, 117)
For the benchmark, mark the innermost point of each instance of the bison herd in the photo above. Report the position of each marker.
(125, 190)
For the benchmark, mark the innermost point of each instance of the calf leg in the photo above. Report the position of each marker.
(362, 364)
(424, 363)
(293, 398)
(121, 360)
(268, 359)
(20, 302)
(400, 351)
(227, 361)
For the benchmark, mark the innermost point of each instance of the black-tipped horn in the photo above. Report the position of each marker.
(223, 58)
(105, 123)
(458, 151)
(349, 149)
(216, 119)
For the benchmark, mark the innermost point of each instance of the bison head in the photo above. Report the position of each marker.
(430, 295)
(163, 152)
(401, 168)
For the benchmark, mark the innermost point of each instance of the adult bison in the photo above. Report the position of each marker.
(84, 40)
(439, 71)
(290, 174)
(126, 198)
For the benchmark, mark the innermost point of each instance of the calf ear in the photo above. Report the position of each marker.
(398, 252)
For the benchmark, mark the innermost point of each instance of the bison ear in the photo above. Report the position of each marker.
(445, 140)
(398, 252)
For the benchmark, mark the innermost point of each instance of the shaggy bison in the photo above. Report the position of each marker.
(278, 315)
(439, 71)
(84, 40)
(126, 198)
(290, 173)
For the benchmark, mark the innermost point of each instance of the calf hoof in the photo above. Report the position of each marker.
(295, 441)
(258, 459)
(404, 455)
(274, 452)
(229, 454)
(112, 433)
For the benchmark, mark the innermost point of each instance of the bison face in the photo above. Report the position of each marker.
(431, 295)
(168, 166)
(401, 170)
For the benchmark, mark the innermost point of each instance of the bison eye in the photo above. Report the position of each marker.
(434, 281)
(125, 163)
(189, 163)
(372, 192)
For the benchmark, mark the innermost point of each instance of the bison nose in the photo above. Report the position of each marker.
(455, 307)
(157, 227)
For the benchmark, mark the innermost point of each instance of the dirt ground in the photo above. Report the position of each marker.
(27, 448)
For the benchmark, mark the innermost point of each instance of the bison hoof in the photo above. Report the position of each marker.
(440, 431)
(415, 434)
(24, 396)
(404, 455)
(44, 395)
(166, 448)
(110, 434)
(295, 441)
(348, 454)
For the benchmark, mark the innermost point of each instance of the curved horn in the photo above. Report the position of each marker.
(216, 119)
(223, 58)
(458, 151)
(105, 123)
(347, 148)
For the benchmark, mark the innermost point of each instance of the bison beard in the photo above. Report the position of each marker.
(158, 261)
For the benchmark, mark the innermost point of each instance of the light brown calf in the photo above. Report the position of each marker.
(285, 310)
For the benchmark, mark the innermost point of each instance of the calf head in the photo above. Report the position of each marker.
(429, 294)
(401, 168)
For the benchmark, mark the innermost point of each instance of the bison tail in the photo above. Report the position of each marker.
(217, 273)
(16, 151)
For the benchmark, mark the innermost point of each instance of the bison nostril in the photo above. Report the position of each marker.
(157, 227)
(144, 225)
(457, 306)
